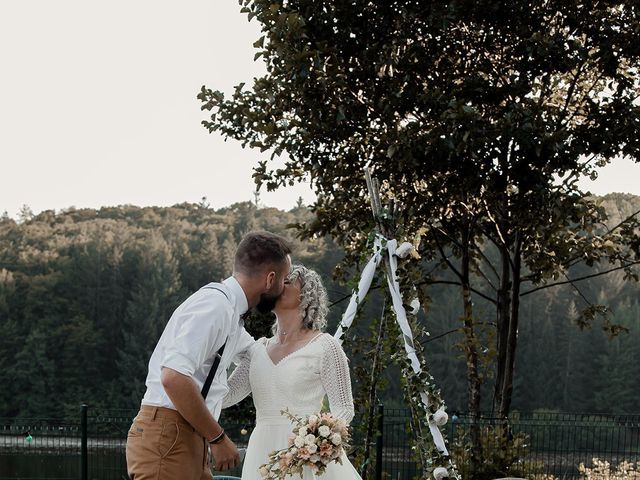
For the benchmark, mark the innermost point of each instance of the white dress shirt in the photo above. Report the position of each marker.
(192, 337)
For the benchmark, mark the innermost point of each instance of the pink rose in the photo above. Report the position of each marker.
(326, 418)
(284, 462)
(326, 449)
(303, 453)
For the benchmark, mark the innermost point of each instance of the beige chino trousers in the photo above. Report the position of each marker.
(161, 445)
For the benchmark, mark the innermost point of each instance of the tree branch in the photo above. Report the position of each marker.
(623, 222)
(586, 277)
(487, 261)
(451, 282)
(446, 259)
(483, 275)
(431, 339)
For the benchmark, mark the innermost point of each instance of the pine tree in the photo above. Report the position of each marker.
(148, 310)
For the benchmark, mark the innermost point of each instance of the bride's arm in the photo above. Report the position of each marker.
(239, 386)
(334, 373)
(238, 383)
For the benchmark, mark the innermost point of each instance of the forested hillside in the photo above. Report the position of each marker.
(85, 294)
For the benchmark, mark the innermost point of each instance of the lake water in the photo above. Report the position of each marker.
(106, 465)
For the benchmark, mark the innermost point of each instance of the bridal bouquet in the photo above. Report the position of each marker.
(316, 441)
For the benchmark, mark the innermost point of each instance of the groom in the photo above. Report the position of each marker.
(187, 379)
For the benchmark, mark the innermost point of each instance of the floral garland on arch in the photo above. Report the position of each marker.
(425, 395)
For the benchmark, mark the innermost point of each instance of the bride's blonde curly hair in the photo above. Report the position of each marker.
(314, 303)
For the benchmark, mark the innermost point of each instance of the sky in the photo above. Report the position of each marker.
(98, 106)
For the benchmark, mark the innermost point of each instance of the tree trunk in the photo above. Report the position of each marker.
(373, 386)
(503, 313)
(471, 352)
(512, 332)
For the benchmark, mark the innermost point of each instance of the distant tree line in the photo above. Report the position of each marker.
(85, 294)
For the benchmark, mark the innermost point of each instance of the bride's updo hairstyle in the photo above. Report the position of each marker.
(313, 298)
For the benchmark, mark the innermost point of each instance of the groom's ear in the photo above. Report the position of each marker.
(271, 280)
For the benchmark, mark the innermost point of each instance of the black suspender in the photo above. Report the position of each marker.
(216, 360)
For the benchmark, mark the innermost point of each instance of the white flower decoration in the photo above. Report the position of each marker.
(415, 306)
(440, 417)
(309, 439)
(404, 249)
(299, 441)
(312, 447)
(440, 473)
(303, 431)
(336, 439)
(324, 431)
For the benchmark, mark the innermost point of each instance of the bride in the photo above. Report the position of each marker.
(293, 370)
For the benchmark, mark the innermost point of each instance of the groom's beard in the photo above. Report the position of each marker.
(267, 303)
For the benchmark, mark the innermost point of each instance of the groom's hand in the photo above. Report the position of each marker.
(225, 454)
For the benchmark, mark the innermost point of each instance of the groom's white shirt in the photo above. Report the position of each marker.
(195, 332)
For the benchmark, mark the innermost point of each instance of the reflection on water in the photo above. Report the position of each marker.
(103, 465)
(108, 465)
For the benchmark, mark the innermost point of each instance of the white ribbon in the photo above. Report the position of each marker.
(398, 307)
(401, 317)
(361, 292)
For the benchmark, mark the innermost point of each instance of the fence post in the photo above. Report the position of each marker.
(84, 470)
(379, 442)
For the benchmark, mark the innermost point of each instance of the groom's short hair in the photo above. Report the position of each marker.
(259, 250)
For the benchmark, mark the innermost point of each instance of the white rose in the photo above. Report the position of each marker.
(299, 441)
(404, 249)
(324, 431)
(440, 417)
(309, 439)
(415, 306)
(336, 439)
(313, 419)
(302, 431)
(315, 458)
(313, 448)
(440, 473)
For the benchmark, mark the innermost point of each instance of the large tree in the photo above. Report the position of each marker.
(478, 118)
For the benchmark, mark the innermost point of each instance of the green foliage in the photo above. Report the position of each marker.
(76, 287)
(500, 451)
(85, 295)
(478, 127)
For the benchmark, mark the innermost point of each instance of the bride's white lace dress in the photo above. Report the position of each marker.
(299, 383)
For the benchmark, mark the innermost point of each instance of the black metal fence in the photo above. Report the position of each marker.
(91, 447)
(544, 444)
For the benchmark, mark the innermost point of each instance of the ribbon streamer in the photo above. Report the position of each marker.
(363, 288)
(401, 317)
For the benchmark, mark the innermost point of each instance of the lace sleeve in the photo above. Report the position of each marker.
(238, 383)
(334, 373)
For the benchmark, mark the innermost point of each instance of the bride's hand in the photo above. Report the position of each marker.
(225, 454)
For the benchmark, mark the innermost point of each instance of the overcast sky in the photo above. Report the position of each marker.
(98, 106)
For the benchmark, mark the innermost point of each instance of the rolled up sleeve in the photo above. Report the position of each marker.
(202, 327)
